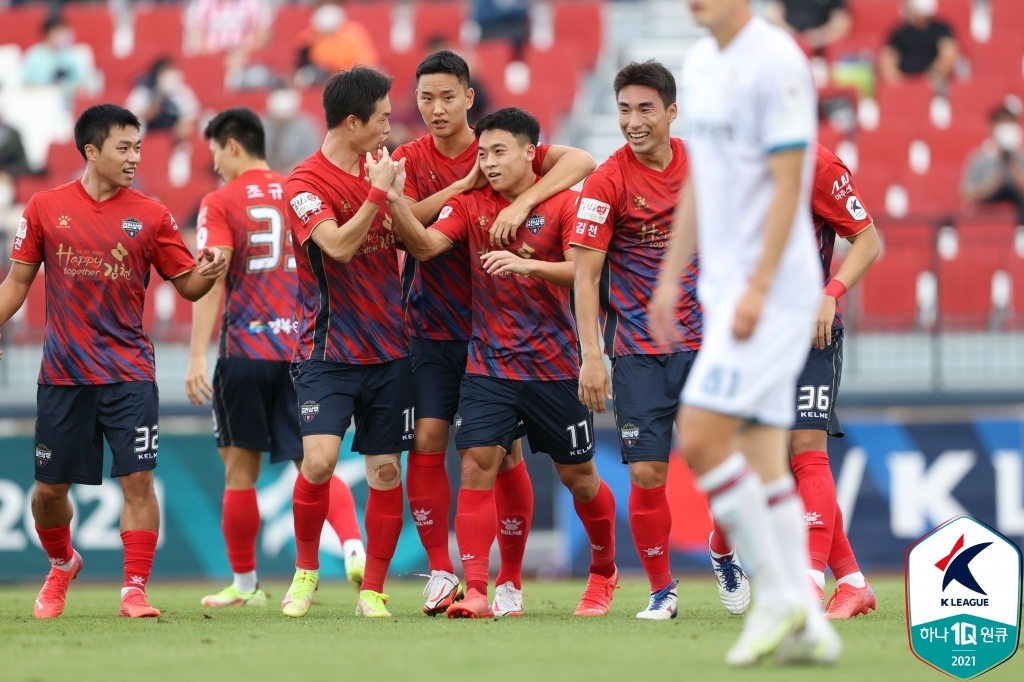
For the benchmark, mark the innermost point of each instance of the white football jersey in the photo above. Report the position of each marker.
(741, 104)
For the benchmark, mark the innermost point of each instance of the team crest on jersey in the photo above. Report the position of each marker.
(309, 410)
(630, 434)
(534, 223)
(640, 202)
(43, 455)
(132, 227)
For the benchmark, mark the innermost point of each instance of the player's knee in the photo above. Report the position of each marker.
(806, 440)
(648, 474)
(137, 487)
(582, 481)
(431, 435)
(317, 470)
(510, 460)
(49, 494)
(387, 474)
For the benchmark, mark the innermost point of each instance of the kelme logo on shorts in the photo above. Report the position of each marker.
(43, 455)
(630, 434)
(309, 410)
(963, 598)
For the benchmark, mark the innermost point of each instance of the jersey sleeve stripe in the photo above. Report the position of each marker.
(26, 262)
(590, 247)
(182, 273)
(323, 220)
(787, 146)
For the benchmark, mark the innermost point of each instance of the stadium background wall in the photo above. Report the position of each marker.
(896, 480)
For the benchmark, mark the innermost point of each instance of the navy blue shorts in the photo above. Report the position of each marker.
(437, 371)
(556, 422)
(378, 396)
(72, 421)
(254, 407)
(817, 387)
(645, 395)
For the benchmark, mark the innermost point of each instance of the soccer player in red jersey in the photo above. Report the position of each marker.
(98, 239)
(352, 355)
(623, 225)
(522, 364)
(837, 211)
(254, 403)
(440, 166)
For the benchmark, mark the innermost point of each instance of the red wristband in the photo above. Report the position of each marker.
(377, 196)
(835, 289)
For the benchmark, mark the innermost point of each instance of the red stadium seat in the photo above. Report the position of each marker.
(1007, 13)
(63, 163)
(376, 17)
(875, 17)
(935, 193)
(905, 106)
(582, 23)
(92, 25)
(281, 53)
(957, 13)
(204, 74)
(23, 25)
(489, 64)
(889, 290)
(158, 33)
(438, 19)
(965, 281)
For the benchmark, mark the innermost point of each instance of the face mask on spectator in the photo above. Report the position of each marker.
(65, 39)
(283, 104)
(1008, 136)
(169, 80)
(328, 18)
(926, 8)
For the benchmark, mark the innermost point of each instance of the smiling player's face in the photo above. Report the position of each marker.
(118, 158)
(504, 159)
(644, 119)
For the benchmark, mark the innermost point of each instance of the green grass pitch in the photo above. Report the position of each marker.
(192, 643)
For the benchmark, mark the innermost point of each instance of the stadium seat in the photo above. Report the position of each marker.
(905, 106)
(582, 23)
(22, 25)
(63, 162)
(437, 19)
(875, 18)
(204, 74)
(92, 25)
(158, 33)
(965, 280)
(376, 17)
(888, 290)
(957, 13)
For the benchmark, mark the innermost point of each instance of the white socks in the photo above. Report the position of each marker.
(855, 579)
(738, 502)
(245, 582)
(818, 577)
(350, 547)
(787, 514)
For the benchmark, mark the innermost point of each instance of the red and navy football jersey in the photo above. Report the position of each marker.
(437, 298)
(626, 211)
(97, 257)
(348, 312)
(249, 216)
(837, 210)
(522, 326)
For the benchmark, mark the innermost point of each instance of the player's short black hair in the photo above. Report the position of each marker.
(1001, 113)
(513, 120)
(354, 93)
(242, 125)
(94, 125)
(53, 21)
(651, 74)
(444, 61)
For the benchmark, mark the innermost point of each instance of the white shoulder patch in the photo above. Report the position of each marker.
(856, 208)
(593, 210)
(306, 204)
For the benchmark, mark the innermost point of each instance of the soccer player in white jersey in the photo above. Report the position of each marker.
(749, 107)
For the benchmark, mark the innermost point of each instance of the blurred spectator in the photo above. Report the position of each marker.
(504, 20)
(332, 42)
(57, 60)
(995, 171)
(163, 101)
(12, 162)
(215, 26)
(818, 22)
(922, 45)
(291, 135)
(481, 100)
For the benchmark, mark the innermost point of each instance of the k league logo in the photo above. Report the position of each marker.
(963, 598)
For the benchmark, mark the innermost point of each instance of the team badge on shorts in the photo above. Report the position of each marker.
(43, 455)
(534, 223)
(309, 410)
(630, 434)
(458, 422)
(963, 598)
(132, 226)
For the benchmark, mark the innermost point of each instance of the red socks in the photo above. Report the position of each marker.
(341, 513)
(840, 557)
(475, 530)
(513, 500)
(139, 550)
(310, 503)
(240, 523)
(430, 501)
(719, 541)
(818, 492)
(650, 519)
(383, 527)
(56, 543)
(598, 517)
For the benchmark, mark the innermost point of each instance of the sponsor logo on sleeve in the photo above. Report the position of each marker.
(305, 205)
(445, 212)
(593, 210)
(133, 226)
(855, 208)
(22, 229)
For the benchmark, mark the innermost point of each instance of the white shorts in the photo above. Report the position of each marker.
(753, 379)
